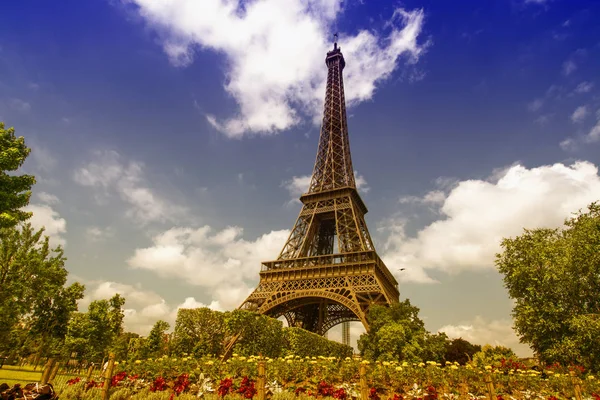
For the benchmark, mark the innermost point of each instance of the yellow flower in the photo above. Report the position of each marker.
(591, 377)
(365, 362)
(488, 367)
(116, 363)
(289, 361)
(386, 363)
(421, 364)
(453, 367)
(138, 362)
(448, 363)
(235, 354)
(405, 364)
(209, 363)
(348, 359)
(398, 368)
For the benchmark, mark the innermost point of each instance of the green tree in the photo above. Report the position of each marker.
(396, 333)
(489, 355)
(460, 351)
(156, 338)
(15, 190)
(434, 347)
(32, 287)
(554, 277)
(199, 331)
(93, 333)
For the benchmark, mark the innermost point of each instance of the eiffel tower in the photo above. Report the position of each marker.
(328, 271)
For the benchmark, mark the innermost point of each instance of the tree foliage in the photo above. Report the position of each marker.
(554, 277)
(93, 333)
(33, 295)
(397, 333)
(156, 339)
(15, 190)
(461, 351)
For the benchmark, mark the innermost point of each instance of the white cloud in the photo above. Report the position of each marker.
(298, 185)
(97, 234)
(593, 136)
(275, 53)
(222, 262)
(584, 87)
(481, 331)
(579, 114)
(45, 217)
(48, 198)
(569, 67)
(433, 197)
(109, 172)
(535, 105)
(477, 214)
(594, 133)
(142, 307)
(19, 105)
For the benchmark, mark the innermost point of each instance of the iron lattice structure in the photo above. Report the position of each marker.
(328, 271)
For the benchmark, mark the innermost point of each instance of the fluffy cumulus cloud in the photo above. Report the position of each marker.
(275, 53)
(108, 173)
(482, 331)
(44, 216)
(477, 214)
(222, 262)
(142, 307)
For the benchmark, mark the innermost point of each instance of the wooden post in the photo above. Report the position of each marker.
(490, 387)
(364, 389)
(576, 385)
(463, 390)
(89, 373)
(108, 377)
(54, 372)
(46, 371)
(260, 381)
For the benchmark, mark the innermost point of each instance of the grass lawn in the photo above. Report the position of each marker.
(12, 375)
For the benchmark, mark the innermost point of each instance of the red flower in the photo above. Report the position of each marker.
(118, 378)
(181, 383)
(247, 388)
(73, 381)
(225, 387)
(325, 389)
(373, 394)
(340, 394)
(398, 397)
(158, 385)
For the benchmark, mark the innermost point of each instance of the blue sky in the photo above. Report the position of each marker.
(171, 138)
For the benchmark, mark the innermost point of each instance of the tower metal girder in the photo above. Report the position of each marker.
(328, 271)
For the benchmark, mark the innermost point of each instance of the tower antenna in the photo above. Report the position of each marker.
(335, 39)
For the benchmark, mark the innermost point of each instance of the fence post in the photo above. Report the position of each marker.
(260, 380)
(46, 371)
(464, 391)
(576, 385)
(364, 389)
(108, 377)
(89, 373)
(54, 372)
(490, 387)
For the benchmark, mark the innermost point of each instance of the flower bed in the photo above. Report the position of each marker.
(310, 377)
